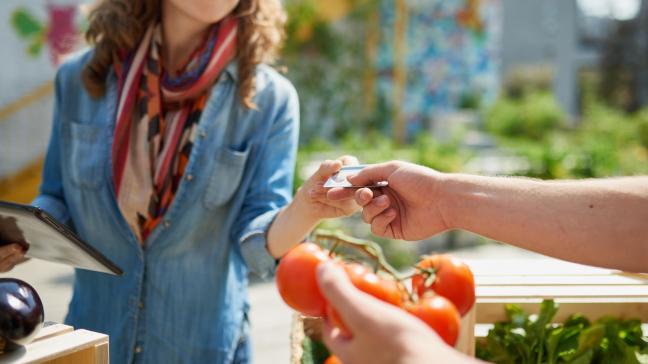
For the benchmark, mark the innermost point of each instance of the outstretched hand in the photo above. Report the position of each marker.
(409, 208)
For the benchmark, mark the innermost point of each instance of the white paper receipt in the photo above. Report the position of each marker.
(340, 178)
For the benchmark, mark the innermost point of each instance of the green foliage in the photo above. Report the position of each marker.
(532, 116)
(315, 352)
(524, 338)
(604, 142)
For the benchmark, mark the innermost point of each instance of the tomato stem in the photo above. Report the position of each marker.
(369, 248)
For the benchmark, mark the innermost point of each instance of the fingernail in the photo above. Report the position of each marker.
(382, 201)
(391, 213)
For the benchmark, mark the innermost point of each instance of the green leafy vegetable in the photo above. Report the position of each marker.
(315, 352)
(528, 339)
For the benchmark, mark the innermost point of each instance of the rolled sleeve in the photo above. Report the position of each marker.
(254, 246)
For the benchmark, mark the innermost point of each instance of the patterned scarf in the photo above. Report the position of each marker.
(156, 120)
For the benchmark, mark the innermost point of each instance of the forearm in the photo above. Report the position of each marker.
(290, 227)
(597, 222)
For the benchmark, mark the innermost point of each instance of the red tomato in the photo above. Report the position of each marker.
(454, 281)
(440, 314)
(384, 289)
(332, 360)
(297, 281)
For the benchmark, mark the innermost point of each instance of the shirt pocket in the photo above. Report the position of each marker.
(226, 176)
(86, 159)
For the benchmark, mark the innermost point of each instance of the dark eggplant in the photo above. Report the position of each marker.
(21, 314)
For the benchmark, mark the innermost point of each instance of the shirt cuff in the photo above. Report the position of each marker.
(54, 207)
(254, 246)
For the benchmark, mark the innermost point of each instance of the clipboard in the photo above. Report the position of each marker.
(45, 238)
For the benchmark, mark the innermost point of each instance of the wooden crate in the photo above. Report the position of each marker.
(61, 344)
(594, 292)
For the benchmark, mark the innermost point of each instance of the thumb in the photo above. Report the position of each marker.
(373, 174)
(347, 300)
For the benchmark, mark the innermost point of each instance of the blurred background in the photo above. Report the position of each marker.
(539, 88)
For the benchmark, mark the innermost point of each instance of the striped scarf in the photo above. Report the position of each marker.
(157, 117)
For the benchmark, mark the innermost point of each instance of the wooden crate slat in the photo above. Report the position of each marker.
(506, 292)
(515, 267)
(536, 280)
(50, 329)
(55, 347)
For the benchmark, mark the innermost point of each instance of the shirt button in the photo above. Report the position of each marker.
(167, 223)
(138, 349)
(189, 177)
(141, 305)
(202, 133)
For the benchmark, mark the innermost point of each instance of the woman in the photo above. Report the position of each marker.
(172, 152)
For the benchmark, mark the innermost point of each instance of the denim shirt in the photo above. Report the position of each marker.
(182, 298)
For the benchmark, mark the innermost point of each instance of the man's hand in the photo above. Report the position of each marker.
(409, 208)
(381, 333)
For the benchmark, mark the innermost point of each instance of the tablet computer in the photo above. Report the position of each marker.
(45, 238)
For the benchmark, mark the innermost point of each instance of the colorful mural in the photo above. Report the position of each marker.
(59, 32)
(390, 65)
(452, 55)
(34, 36)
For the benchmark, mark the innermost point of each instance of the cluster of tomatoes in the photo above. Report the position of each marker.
(442, 289)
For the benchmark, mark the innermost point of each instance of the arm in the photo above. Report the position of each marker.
(269, 224)
(308, 208)
(597, 222)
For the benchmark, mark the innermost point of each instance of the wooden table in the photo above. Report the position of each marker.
(61, 344)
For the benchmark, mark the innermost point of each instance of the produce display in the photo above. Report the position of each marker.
(21, 314)
(524, 338)
(439, 290)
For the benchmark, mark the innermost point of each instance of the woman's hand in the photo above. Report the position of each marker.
(10, 255)
(310, 205)
(314, 196)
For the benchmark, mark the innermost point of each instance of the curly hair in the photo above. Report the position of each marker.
(117, 25)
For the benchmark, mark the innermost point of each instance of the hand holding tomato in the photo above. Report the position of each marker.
(382, 333)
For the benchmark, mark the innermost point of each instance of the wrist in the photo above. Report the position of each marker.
(447, 198)
(301, 209)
